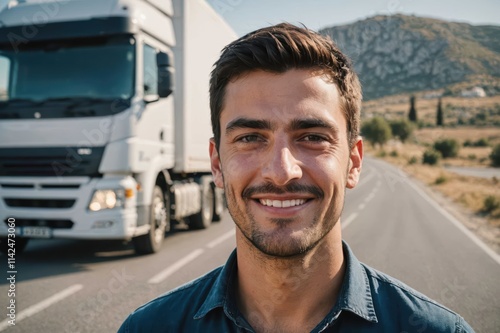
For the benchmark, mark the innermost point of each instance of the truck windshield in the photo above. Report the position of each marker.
(67, 72)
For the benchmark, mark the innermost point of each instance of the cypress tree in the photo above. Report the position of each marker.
(439, 115)
(413, 112)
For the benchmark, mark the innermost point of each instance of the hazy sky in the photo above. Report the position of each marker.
(247, 15)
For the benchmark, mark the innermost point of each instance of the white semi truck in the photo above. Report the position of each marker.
(104, 119)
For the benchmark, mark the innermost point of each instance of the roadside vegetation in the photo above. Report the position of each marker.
(427, 153)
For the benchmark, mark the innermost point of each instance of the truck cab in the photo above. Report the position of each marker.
(104, 118)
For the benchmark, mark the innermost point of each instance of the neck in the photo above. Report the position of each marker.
(289, 294)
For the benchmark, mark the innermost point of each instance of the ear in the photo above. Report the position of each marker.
(355, 162)
(215, 164)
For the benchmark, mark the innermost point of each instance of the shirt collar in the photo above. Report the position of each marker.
(222, 291)
(355, 294)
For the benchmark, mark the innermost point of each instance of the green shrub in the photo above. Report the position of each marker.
(495, 156)
(376, 130)
(447, 147)
(431, 157)
(440, 180)
(491, 203)
(402, 129)
(394, 153)
(481, 143)
(413, 160)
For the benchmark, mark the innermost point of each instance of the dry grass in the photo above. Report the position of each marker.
(468, 193)
(461, 134)
(465, 190)
(454, 108)
(467, 156)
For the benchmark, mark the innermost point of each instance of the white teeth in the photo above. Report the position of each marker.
(282, 204)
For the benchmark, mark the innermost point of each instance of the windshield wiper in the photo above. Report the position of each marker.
(79, 113)
(79, 106)
(77, 100)
(58, 99)
(5, 109)
(9, 115)
(21, 101)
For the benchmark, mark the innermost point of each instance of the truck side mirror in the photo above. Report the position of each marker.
(165, 74)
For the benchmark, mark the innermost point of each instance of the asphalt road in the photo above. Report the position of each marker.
(475, 171)
(399, 230)
(391, 224)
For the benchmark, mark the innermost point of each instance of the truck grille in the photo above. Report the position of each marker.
(54, 224)
(39, 203)
(51, 162)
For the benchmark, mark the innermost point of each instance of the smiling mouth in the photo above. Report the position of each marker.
(282, 203)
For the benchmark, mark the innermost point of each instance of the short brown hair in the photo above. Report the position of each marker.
(280, 48)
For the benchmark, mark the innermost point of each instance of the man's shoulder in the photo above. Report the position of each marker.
(169, 309)
(394, 299)
(391, 284)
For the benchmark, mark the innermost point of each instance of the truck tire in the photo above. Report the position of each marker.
(159, 220)
(19, 245)
(203, 218)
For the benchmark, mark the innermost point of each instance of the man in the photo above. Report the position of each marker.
(285, 106)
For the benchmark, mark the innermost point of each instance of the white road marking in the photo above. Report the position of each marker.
(221, 239)
(365, 179)
(370, 196)
(457, 223)
(34, 309)
(158, 278)
(348, 220)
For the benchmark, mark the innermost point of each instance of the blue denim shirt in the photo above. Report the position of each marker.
(369, 301)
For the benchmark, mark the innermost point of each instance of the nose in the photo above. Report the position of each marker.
(281, 166)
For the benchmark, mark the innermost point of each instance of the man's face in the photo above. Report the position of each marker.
(284, 159)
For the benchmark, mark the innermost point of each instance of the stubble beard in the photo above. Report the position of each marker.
(280, 243)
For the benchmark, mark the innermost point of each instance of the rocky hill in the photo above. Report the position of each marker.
(401, 54)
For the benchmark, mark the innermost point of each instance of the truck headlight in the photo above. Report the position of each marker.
(107, 199)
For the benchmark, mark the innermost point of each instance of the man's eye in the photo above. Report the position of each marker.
(313, 138)
(249, 138)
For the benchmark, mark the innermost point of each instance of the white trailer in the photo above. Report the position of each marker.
(105, 120)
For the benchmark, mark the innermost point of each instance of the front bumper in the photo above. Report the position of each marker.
(61, 205)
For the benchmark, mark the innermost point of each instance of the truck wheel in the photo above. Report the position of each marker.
(159, 220)
(19, 245)
(203, 219)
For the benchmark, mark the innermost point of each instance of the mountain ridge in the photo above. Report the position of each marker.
(405, 54)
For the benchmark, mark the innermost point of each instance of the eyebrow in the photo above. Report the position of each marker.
(295, 125)
(301, 124)
(242, 123)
